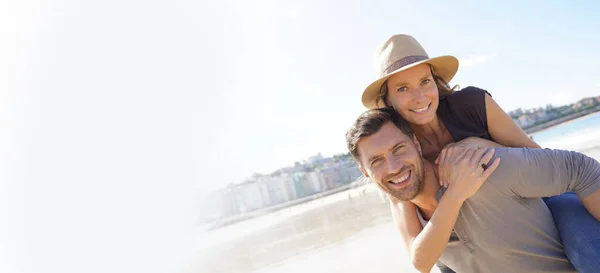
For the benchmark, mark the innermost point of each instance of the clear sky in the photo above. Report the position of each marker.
(115, 114)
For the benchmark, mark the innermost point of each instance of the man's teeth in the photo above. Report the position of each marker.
(401, 179)
(421, 109)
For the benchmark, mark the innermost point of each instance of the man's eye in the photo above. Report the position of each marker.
(403, 88)
(398, 149)
(375, 161)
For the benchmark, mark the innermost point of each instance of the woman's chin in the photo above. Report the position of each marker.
(420, 120)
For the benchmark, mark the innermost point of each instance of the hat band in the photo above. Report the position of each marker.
(404, 62)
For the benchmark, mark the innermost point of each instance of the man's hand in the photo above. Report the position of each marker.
(469, 170)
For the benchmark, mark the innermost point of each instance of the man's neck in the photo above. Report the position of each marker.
(426, 201)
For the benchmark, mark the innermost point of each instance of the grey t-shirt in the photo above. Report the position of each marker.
(505, 226)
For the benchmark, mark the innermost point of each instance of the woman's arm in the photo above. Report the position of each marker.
(503, 129)
(426, 245)
(476, 142)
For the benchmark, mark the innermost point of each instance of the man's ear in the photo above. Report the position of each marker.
(417, 144)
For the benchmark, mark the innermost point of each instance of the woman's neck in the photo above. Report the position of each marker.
(429, 132)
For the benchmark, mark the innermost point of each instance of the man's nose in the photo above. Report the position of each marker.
(394, 166)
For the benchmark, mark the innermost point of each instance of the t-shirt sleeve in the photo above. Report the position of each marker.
(468, 105)
(530, 173)
(444, 268)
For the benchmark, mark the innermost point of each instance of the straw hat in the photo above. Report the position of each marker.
(399, 53)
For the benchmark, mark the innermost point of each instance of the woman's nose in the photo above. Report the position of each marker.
(417, 94)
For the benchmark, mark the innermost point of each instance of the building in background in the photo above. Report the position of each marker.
(279, 189)
(250, 196)
(302, 185)
(525, 121)
(283, 186)
(331, 178)
(316, 180)
(220, 204)
(315, 159)
(350, 174)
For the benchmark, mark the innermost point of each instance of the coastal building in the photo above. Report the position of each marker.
(340, 174)
(287, 182)
(316, 179)
(331, 178)
(525, 121)
(566, 109)
(301, 187)
(349, 174)
(250, 196)
(315, 159)
(584, 103)
(227, 203)
(279, 189)
(540, 116)
(220, 204)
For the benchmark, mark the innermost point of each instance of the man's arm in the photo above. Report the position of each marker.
(533, 173)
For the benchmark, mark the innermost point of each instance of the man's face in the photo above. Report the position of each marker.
(393, 161)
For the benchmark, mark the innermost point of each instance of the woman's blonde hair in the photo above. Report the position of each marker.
(443, 89)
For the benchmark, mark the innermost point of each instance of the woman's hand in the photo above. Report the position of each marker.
(469, 171)
(446, 159)
(470, 168)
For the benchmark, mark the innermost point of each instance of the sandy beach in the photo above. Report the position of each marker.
(350, 231)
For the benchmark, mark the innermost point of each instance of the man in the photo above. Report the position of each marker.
(490, 218)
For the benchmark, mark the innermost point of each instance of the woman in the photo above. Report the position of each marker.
(416, 86)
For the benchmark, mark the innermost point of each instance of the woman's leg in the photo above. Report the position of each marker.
(579, 231)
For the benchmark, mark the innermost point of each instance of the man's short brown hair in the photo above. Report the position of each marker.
(369, 123)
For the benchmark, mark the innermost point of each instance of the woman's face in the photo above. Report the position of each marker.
(414, 94)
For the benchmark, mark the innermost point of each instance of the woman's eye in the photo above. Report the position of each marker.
(403, 88)
(426, 81)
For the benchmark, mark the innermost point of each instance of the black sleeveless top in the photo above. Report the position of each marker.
(463, 113)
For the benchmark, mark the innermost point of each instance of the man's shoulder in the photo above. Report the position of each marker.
(513, 161)
(510, 157)
(520, 155)
(516, 163)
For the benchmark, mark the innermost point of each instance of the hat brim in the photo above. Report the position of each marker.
(444, 66)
